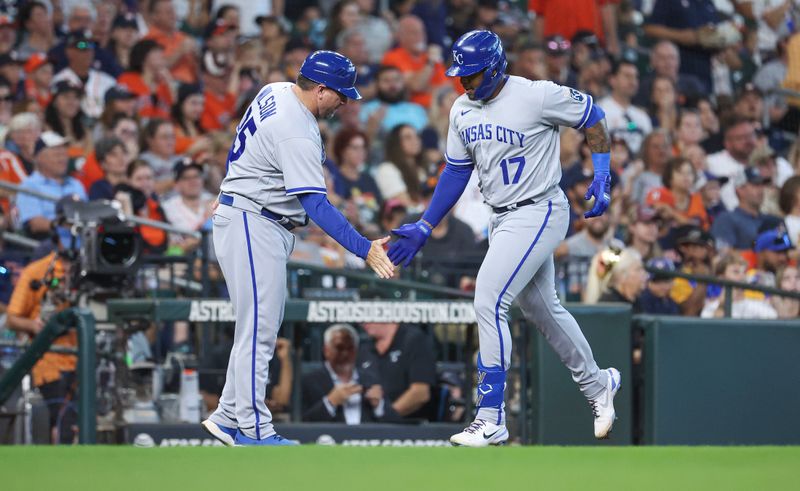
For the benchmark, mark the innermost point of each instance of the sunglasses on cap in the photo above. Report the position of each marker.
(556, 45)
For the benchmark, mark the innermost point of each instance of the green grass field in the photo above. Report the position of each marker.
(408, 469)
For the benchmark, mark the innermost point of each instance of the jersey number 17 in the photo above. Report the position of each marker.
(505, 164)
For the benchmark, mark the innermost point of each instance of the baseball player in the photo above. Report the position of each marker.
(274, 183)
(507, 128)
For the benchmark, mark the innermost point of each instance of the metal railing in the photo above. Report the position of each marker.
(727, 285)
(83, 321)
(120, 215)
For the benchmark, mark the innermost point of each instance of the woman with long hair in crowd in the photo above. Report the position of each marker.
(64, 116)
(149, 78)
(711, 126)
(688, 131)
(142, 180)
(122, 127)
(186, 113)
(158, 150)
(124, 35)
(353, 181)
(344, 15)
(401, 175)
(663, 99)
(37, 33)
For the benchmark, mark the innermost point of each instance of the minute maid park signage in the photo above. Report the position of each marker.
(459, 312)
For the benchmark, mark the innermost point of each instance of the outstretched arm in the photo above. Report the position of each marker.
(336, 225)
(450, 187)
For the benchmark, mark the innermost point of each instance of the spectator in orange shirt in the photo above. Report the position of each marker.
(149, 79)
(567, 17)
(16, 159)
(675, 201)
(186, 114)
(54, 373)
(421, 64)
(220, 80)
(180, 50)
(38, 75)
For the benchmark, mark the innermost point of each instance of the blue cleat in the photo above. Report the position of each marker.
(276, 439)
(224, 434)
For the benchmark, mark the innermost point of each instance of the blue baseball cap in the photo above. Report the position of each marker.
(722, 180)
(776, 240)
(660, 264)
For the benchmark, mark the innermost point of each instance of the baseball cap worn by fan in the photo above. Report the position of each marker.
(647, 214)
(752, 175)
(660, 264)
(49, 139)
(722, 180)
(184, 164)
(118, 93)
(66, 86)
(81, 40)
(692, 234)
(125, 21)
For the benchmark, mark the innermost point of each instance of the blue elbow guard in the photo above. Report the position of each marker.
(595, 115)
(491, 386)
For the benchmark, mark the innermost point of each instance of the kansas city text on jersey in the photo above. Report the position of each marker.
(484, 132)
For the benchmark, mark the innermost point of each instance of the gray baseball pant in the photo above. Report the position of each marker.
(519, 265)
(252, 252)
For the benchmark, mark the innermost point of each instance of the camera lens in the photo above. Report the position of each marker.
(118, 248)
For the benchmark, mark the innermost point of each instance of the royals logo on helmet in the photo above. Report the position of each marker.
(458, 57)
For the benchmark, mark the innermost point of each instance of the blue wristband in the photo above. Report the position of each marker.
(602, 164)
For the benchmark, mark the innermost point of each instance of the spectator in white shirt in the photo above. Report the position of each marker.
(740, 140)
(623, 118)
(191, 207)
(80, 56)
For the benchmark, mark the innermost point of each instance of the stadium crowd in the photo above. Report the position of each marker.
(139, 102)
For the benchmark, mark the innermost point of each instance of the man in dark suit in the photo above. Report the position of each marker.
(338, 392)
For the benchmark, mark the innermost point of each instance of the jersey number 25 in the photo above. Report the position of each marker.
(248, 124)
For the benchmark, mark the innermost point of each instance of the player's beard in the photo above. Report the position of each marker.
(391, 98)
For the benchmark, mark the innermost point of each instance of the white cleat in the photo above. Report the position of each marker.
(480, 433)
(222, 433)
(603, 406)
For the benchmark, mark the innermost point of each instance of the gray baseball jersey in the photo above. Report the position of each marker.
(513, 139)
(514, 143)
(277, 153)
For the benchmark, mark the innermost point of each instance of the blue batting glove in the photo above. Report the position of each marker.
(600, 189)
(412, 238)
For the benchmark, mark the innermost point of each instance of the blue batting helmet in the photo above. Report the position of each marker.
(476, 51)
(332, 70)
